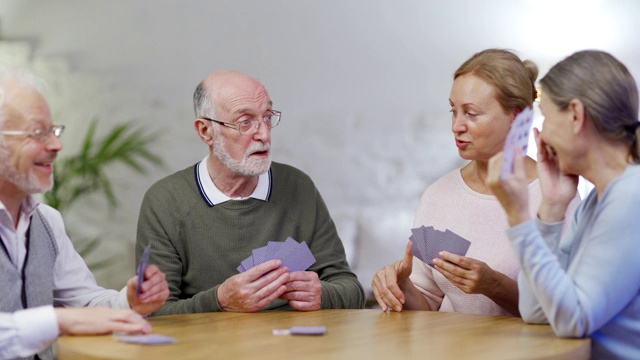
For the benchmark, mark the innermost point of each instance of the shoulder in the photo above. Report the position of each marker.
(622, 193)
(628, 182)
(54, 220)
(447, 183)
(176, 191)
(289, 174)
(179, 181)
(51, 215)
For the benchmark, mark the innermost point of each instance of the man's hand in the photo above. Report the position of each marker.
(98, 321)
(304, 291)
(255, 288)
(154, 291)
(387, 284)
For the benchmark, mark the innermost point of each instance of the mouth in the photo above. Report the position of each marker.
(261, 153)
(262, 150)
(462, 144)
(46, 165)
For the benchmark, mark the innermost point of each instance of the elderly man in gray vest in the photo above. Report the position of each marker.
(40, 268)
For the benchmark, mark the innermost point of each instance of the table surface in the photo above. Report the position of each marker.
(351, 334)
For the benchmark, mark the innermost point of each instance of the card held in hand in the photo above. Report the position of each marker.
(142, 267)
(517, 138)
(429, 242)
(294, 255)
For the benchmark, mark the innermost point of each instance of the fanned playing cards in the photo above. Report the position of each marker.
(428, 242)
(294, 255)
(518, 137)
(144, 262)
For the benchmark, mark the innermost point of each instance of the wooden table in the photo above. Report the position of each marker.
(351, 334)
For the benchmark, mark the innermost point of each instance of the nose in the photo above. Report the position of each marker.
(53, 143)
(458, 124)
(263, 132)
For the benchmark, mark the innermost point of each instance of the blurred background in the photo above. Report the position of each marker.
(363, 86)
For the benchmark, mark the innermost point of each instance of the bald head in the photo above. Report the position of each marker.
(213, 93)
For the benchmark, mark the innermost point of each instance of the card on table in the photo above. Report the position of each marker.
(294, 255)
(301, 330)
(149, 339)
(142, 267)
(518, 137)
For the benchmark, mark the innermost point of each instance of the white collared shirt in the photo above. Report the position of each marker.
(25, 332)
(213, 196)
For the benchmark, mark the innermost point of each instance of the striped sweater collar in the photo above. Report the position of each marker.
(213, 196)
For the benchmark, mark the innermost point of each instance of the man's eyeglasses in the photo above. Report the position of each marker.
(250, 127)
(40, 135)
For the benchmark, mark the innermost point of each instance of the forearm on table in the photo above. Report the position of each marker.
(505, 293)
(205, 301)
(414, 298)
(342, 293)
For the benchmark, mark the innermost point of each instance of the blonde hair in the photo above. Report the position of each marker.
(513, 79)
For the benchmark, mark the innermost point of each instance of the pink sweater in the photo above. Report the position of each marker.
(450, 204)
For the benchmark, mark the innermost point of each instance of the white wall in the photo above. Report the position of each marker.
(363, 87)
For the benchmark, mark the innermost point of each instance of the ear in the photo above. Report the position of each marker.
(204, 130)
(514, 114)
(578, 116)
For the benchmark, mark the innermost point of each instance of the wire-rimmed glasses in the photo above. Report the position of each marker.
(40, 135)
(250, 127)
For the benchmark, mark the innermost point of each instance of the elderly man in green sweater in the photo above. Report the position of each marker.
(204, 220)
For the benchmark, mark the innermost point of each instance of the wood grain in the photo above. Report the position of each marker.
(351, 334)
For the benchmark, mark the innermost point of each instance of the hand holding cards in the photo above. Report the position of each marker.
(428, 242)
(518, 137)
(295, 256)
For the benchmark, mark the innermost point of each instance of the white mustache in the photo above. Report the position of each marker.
(258, 147)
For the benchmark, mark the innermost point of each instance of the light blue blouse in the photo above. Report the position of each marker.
(588, 282)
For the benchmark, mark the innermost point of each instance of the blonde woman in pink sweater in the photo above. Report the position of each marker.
(488, 91)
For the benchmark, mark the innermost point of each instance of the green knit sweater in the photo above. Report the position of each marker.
(199, 246)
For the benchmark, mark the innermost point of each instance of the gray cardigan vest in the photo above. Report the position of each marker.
(33, 286)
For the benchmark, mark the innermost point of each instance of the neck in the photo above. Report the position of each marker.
(12, 199)
(229, 183)
(475, 174)
(604, 164)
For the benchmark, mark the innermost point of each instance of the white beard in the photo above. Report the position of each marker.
(247, 166)
(28, 182)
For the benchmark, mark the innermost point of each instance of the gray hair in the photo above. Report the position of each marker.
(22, 76)
(202, 104)
(605, 87)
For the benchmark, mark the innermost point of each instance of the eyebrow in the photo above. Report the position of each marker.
(246, 110)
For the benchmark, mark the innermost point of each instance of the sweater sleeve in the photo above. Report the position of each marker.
(158, 227)
(340, 286)
(603, 275)
(557, 237)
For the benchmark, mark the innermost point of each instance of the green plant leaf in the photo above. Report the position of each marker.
(85, 173)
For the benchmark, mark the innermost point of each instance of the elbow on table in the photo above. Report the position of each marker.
(568, 330)
(535, 316)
